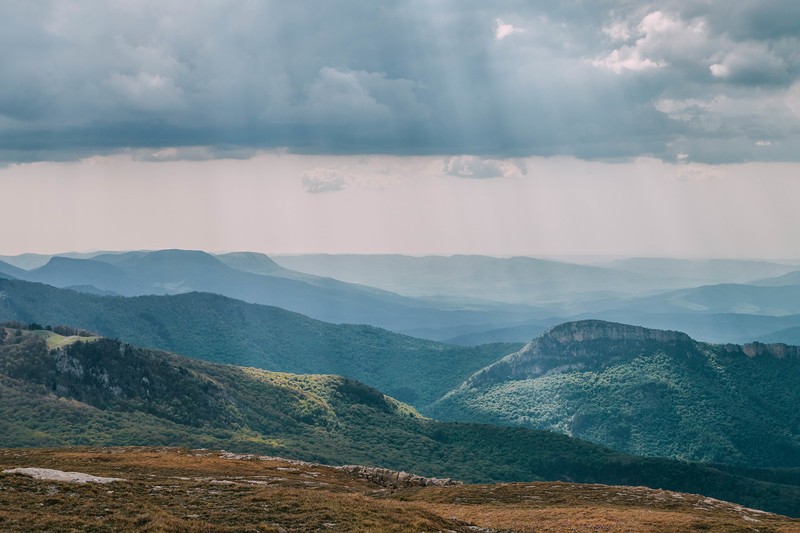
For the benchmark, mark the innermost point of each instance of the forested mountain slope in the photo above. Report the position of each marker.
(221, 329)
(645, 391)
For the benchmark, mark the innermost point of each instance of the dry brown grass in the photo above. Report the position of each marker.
(185, 490)
(559, 507)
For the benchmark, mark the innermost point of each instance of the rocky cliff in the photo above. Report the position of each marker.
(758, 349)
(590, 330)
(574, 345)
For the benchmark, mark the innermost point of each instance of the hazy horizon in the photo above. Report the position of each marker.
(592, 260)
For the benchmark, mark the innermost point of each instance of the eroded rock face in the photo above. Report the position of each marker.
(66, 364)
(393, 479)
(590, 330)
(574, 345)
(757, 349)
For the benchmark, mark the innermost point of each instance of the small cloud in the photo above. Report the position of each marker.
(627, 58)
(682, 156)
(472, 167)
(687, 109)
(324, 180)
(718, 70)
(468, 166)
(749, 64)
(503, 30)
(619, 31)
(164, 154)
(763, 143)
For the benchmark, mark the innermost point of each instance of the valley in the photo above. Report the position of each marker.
(102, 392)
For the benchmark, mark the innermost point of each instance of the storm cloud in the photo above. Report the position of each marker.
(689, 81)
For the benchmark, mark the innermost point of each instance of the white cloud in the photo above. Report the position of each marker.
(324, 180)
(467, 166)
(683, 109)
(618, 31)
(659, 22)
(659, 36)
(763, 143)
(503, 30)
(627, 58)
(718, 70)
(752, 62)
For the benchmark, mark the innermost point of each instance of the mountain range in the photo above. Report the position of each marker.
(713, 300)
(254, 278)
(221, 329)
(667, 397)
(66, 389)
(527, 279)
(458, 299)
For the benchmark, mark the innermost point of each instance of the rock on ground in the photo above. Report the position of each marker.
(59, 475)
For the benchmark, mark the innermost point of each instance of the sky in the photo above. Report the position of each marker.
(604, 128)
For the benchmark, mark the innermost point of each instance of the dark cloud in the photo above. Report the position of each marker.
(767, 20)
(606, 79)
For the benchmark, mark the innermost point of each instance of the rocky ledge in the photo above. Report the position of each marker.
(591, 330)
(393, 479)
(380, 476)
(572, 346)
